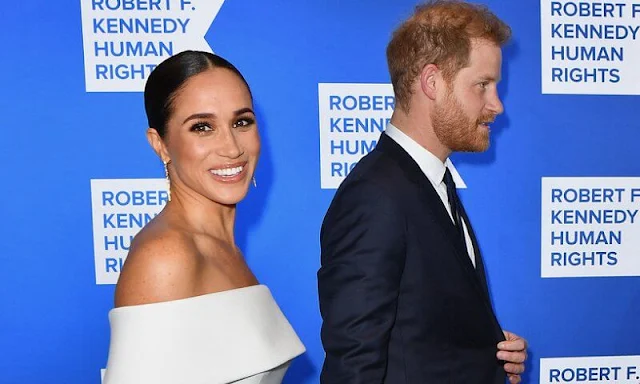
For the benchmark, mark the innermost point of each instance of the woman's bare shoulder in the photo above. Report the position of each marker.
(162, 265)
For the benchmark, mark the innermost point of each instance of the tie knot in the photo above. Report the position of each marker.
(448, 179)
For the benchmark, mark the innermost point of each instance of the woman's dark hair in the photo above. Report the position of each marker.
(167, 78)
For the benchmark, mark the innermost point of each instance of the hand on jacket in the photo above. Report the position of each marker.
(513, 352)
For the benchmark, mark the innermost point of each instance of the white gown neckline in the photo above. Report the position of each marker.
(222, 337)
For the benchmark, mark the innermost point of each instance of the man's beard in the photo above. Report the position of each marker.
(456, 130)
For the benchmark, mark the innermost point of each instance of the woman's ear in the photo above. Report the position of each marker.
(156, 142)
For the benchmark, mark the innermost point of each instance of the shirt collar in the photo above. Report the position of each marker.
(429, 163)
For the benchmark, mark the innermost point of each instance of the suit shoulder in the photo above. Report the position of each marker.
(375, 184)
(377, 170)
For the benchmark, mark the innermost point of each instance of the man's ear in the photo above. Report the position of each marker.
(429, 80)
(156, 142)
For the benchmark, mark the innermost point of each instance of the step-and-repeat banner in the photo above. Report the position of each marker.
(555, 200)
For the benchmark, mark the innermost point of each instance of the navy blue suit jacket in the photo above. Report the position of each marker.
(400, 300)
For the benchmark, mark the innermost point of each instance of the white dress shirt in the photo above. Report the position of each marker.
(434, 169)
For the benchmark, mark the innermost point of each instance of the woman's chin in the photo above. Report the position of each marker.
(229, 198)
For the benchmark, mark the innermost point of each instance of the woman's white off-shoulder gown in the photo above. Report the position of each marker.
(236, 336)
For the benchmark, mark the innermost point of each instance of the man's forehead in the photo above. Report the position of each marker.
(485, 53)
(483, 66)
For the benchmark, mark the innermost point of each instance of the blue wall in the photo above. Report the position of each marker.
(56, 137)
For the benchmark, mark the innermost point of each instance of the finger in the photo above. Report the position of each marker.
(514, 379)
(512, 357)
(513, 368)
(510, 336)
(513, 345)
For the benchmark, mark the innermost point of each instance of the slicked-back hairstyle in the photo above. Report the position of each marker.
(167, 78)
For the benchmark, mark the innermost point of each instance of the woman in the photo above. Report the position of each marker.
(188, 308)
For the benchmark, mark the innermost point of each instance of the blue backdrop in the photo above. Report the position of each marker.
(56, 137)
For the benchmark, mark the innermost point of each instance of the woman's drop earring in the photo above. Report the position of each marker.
(166, 175)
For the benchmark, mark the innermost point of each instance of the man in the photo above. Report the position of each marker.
(403, 293)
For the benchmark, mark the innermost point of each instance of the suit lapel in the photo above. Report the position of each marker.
(432, 200)
(479, 269)
(481, 275)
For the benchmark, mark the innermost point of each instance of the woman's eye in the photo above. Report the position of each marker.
(201, 127)
(242, 123)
